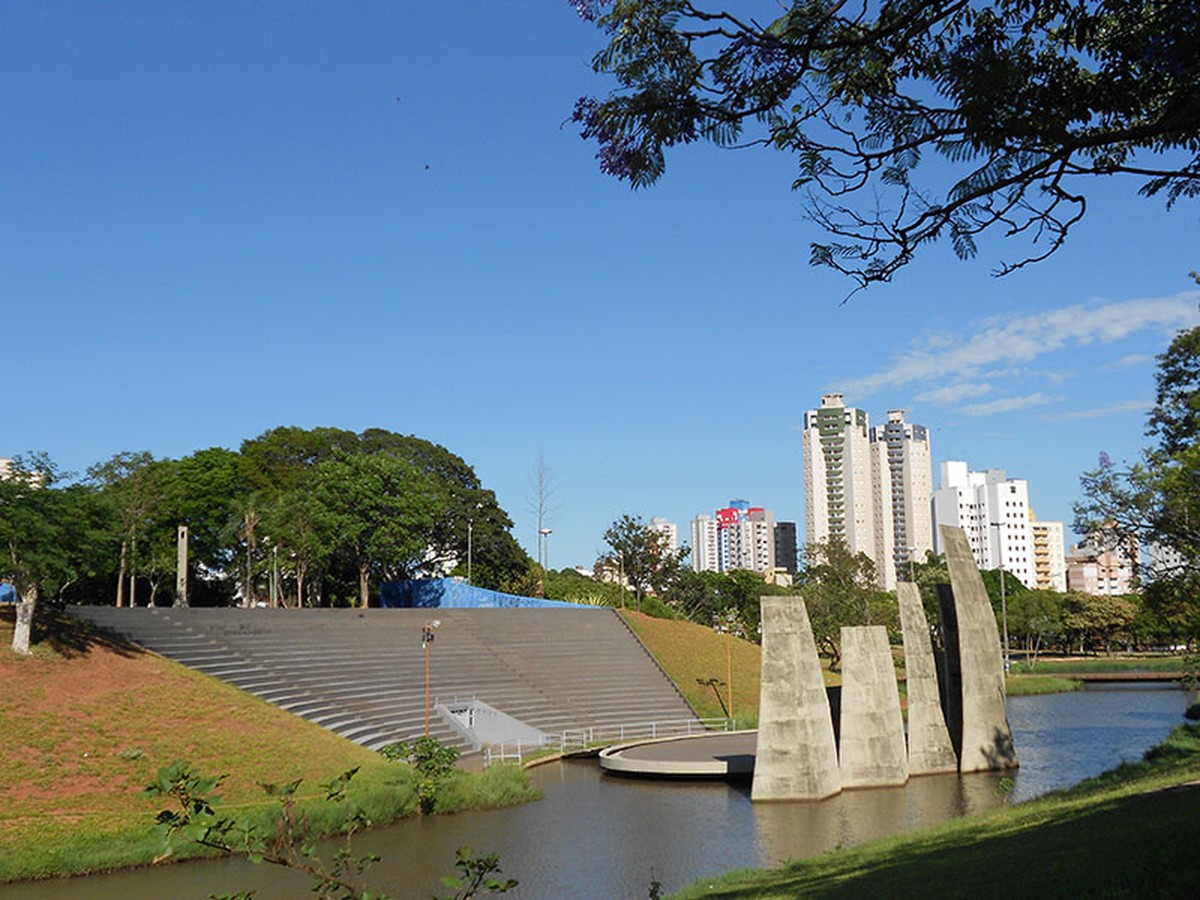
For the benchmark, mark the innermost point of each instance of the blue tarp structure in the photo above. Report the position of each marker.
(7, 594)
(448, 593)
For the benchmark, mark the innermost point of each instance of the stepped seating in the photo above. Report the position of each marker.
(361, 673)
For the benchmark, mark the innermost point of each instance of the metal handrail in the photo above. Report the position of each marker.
(580, 738)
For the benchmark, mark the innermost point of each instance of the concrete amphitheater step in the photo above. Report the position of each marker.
(361, 673)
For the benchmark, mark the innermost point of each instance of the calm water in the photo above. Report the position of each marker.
(596, 836)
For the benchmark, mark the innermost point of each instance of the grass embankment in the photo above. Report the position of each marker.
(87, 720)
(1071, 665)
(1127, 833)
(693, 655)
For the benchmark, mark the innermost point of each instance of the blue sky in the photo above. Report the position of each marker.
(224, 217)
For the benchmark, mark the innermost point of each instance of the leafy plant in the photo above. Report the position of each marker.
(433, 760)
(475, 876)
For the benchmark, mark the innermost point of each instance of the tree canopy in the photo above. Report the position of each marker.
(1153, 504)
(911, 120)
(330, 512)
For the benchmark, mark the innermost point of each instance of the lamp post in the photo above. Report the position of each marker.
(543, 552)
(724, 625)
(470, 530)
(1003, 598)
(427, 631)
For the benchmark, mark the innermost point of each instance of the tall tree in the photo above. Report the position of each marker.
(839, 590)
(1023, 101)
(377, 510)
(640, 553)
(42, 532)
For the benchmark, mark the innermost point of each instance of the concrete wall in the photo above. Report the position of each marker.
(796, 758)
(872, 751)
(986, 737)
(929, 746)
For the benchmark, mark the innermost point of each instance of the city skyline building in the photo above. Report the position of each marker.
(868, 487)
(739, 536)
(839, 495)
(994, 512)
(904, 529)
(1049, 554)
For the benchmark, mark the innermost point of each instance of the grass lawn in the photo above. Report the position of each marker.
(1128, 833)
(691, 654)
(1099, 664)
(86, 721)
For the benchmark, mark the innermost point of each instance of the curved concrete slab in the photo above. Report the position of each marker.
(721, 755)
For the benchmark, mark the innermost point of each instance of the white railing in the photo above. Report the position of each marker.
(602, 735)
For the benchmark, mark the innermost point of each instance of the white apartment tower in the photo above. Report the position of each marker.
(738, 537)
(871, 487)
(839, 496)
(669, 531)
(993, 510)
(905, 483)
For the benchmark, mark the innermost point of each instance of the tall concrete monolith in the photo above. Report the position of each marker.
(796, 758)
(986, 737)
(871, 751)
(929, 748)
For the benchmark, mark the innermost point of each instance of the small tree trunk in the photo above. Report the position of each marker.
(364, 595)
(24, 627)
(121, 575)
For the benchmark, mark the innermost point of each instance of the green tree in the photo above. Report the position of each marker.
(1155, 503)
(839, 589)
(1096, 619)
(1021, 102)
(640, 554)
(378, 511)
(49, 537)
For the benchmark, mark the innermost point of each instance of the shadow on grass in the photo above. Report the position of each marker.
(1139, 846)
(66, 636)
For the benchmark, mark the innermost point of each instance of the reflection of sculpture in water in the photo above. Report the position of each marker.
(795, 735)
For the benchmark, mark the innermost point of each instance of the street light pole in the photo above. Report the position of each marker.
(470, 531)
(427, 631)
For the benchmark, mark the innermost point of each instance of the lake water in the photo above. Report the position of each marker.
(599, 836)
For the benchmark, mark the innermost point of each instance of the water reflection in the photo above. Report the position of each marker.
(599, 836)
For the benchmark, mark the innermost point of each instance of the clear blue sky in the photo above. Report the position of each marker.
(222, 217)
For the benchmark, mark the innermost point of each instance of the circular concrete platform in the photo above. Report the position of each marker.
(725, 754)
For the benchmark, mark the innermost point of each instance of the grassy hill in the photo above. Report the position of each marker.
(86, 721)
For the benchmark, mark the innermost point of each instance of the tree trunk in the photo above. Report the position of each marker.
(24, 627)
(300, 573)
(364, 575)
(121, 575)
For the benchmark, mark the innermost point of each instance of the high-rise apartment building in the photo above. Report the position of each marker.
(839, 496)
(739, 536)
(993, 510)
(785, 547)
(906, 513)
(669, 531)
(870, 487)
(1049, 555)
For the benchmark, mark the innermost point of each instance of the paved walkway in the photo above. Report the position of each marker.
(720, 755)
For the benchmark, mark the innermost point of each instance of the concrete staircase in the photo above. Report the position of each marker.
(361, 673)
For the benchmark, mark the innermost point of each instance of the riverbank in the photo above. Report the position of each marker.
(1127, 833)
(86, 721)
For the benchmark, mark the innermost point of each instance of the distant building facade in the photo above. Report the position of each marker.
(1001, 529)
(669, 531)
(739, 536)
(786, 555)
(869, 487)
(1049, 555)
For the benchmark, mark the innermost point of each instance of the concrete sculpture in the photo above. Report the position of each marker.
(957, 716)
(930, 750)
(871, 752)
(986, 739)
(796, 758)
